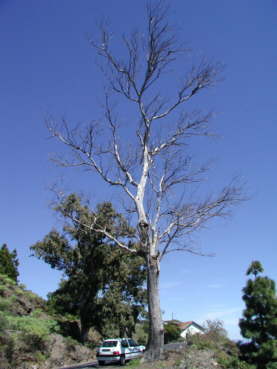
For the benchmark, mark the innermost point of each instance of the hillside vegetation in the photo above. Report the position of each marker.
(30, 337)
(33, 337)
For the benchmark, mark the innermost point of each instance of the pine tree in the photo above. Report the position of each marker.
(259, 322)
(9, 262)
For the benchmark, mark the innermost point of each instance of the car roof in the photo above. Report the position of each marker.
(117, 339)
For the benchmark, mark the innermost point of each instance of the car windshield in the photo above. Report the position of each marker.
(109, 344)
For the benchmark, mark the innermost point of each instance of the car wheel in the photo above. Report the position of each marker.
(122, 360)
(101, 363)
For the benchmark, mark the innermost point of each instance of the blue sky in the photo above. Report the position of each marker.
(47, 66)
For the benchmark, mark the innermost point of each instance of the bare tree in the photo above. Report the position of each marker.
(154, 169)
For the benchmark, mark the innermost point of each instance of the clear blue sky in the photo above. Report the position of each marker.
(47, 65)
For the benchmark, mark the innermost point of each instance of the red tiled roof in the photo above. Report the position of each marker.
(184, 325)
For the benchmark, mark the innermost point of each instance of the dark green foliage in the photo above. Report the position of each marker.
(271, 365)
(231, 361)
(103, 283)
(255, 268)
(172, 331)
(124, 297)
(9, 263)
(259, 322)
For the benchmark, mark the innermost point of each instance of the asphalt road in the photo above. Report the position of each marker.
(92, 364)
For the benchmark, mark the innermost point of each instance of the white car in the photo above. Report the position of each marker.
(118, 350)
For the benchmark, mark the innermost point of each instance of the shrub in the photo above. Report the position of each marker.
(201, 342)
(271, 365)
(5, 304)
(9, 349)
(37, 313)
(134, 363)
(70, 343)
(90, 345)
(19, 291)
(230, 362)
(172, 331)
(32, 296)
(3, 289)
(4, 323)
(40, 357)
(142, 340)
(214, 330)
(6, 281)
(34, 332)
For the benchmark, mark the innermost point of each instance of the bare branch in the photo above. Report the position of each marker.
(192, 216)
(147, 157)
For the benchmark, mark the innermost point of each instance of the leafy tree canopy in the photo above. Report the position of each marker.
(103, 284)
(172, 331)
(255, 268)
(9, 262)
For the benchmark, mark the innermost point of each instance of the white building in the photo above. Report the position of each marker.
(190, 328)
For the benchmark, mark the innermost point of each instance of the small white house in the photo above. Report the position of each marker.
(189, 328)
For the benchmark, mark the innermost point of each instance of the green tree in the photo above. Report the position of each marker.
(124, 297)
(255, 268)
(259, 322)
(172, 331)
(104, 284)
(9, 262)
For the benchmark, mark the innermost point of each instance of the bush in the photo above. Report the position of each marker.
(4, 323)
(8, 349)
(70, 343)
(200, 342)
(172, 332)
(272, 365)
(32, 296)
(214, 330)
(19, 292)
(6, 281)
(215, 339)
(142, 340)
(230, 362)
(5, 304)
(34, 332)
(3, 289)
(37, 313)
(40, 357)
